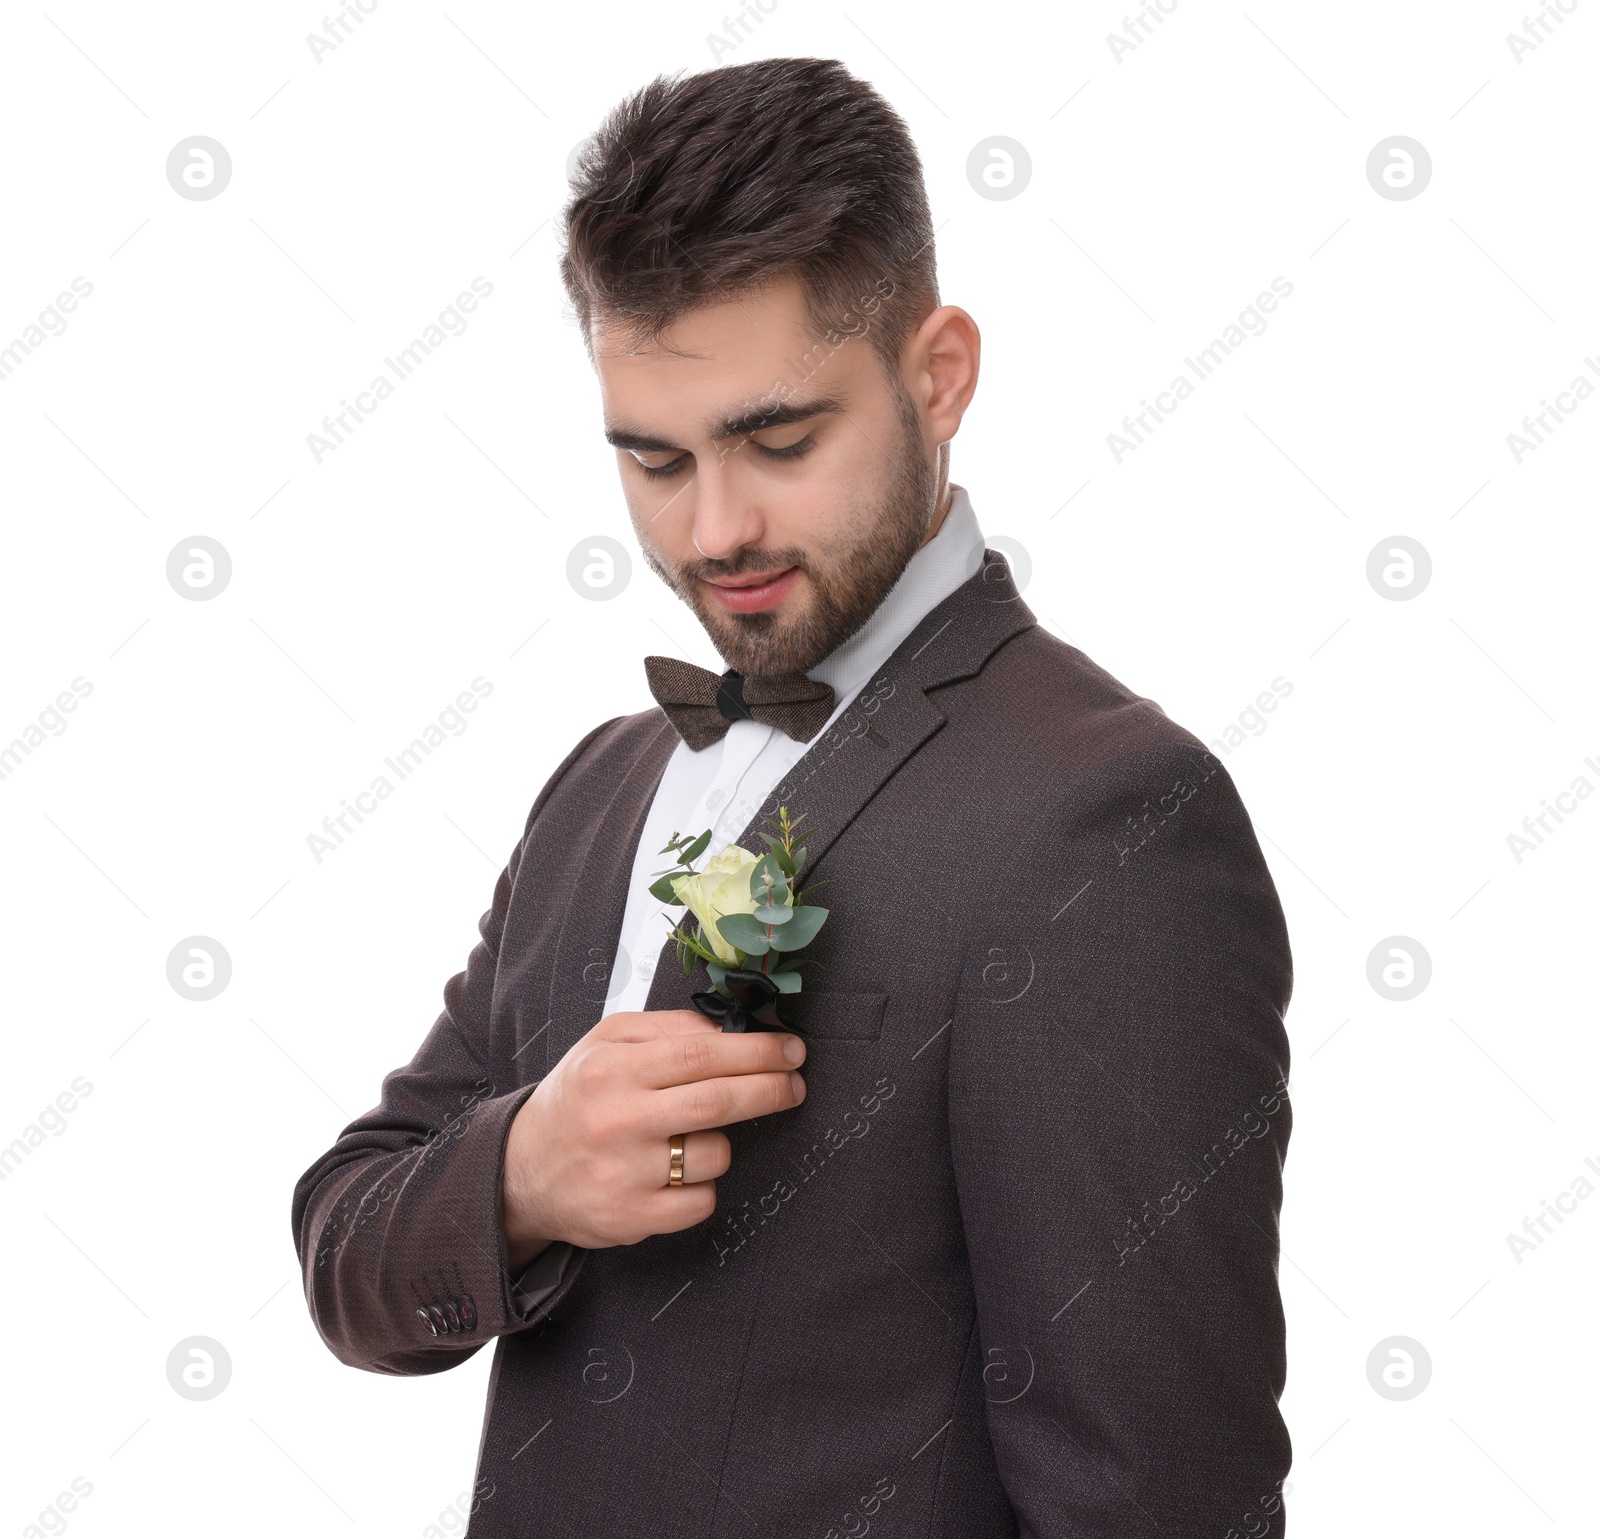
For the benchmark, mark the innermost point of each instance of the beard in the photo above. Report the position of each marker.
(848, 581)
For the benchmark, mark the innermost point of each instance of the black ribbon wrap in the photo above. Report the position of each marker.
(756, 1004)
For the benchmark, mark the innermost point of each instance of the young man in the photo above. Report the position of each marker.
(987, 1243)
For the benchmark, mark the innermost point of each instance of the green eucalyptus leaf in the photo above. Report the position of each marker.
(776, 850)
(697, 849)
(716, 971)
(804, 922)
(773, 914)
(743, 931)
(768, 882)
(788, 982)
(662, 889)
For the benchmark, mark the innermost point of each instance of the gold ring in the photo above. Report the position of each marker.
(675, 1166)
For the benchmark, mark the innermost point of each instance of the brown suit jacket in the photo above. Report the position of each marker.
(1011, 1268)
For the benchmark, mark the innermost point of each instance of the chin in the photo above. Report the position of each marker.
(767, 642)
(748, 643)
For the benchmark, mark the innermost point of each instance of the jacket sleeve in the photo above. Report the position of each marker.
(1118, 1123)
(398, 1226)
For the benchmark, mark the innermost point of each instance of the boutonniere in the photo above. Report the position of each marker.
(751, 919)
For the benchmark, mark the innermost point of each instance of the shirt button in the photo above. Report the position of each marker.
(714, 799)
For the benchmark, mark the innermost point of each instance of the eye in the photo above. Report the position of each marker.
(789, 452)
(671, 468)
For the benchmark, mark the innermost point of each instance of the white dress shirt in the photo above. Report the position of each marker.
(726, 783)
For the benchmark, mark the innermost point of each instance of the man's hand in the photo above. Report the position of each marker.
(586, 1156)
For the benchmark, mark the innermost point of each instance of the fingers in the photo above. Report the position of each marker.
(691, 1056)
(652, 1025)
(678, 1047)
(706, 1155)
(713, 1103)
(679, 1207)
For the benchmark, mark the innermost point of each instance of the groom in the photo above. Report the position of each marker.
(986, 1244)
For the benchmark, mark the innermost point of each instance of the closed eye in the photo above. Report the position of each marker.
(789, 451)
(671, 469)
(792, 451)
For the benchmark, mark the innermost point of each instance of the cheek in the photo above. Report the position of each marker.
(825, 496)
(662, 517)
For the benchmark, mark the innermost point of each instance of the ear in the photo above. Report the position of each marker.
(940, 367)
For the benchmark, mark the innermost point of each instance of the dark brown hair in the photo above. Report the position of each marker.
(694, 190)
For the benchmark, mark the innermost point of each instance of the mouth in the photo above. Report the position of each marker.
(761, 590)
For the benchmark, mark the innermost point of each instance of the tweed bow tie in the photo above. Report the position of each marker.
(702, 704)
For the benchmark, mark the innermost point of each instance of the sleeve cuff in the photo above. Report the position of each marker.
(541, 1279)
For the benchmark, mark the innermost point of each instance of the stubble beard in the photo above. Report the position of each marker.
(846, 588)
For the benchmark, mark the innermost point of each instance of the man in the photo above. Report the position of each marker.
(1000, 1258)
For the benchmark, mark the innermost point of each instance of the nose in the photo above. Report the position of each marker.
(725, 515)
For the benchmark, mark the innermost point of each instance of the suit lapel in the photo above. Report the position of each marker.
(883, 726)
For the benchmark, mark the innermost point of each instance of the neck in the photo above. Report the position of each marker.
(944, 498)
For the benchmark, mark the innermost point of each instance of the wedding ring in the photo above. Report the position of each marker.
(675, 1165)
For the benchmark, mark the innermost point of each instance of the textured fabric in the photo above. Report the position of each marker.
(1009, 1269)
(702, 705)
(722, 787)
(718, 786)
(539, 1279)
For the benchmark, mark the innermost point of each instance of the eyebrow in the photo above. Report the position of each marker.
(621, 436)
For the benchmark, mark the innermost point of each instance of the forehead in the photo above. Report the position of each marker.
(717, 355)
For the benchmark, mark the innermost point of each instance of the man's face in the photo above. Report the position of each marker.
(777, 483)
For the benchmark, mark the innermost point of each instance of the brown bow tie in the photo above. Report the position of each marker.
(702, 704)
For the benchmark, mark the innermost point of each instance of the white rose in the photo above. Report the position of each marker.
(722, 887)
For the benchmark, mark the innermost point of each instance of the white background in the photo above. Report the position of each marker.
(1168, 188)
